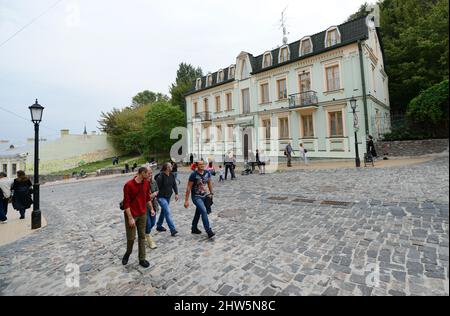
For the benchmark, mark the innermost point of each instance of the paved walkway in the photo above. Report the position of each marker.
(305, 232)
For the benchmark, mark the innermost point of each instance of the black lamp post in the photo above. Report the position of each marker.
(356, 128)
(36, 117)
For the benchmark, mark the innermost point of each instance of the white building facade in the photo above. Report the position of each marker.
(298, 93)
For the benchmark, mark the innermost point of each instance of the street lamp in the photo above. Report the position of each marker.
(356, 128)
(36, 117)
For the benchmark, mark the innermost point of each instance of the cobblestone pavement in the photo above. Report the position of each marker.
(305, 232)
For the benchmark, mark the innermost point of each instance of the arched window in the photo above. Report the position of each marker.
(198, 85)
(220, 76)
(306, 46)
(267, 60)
(284, 54)
(244, 70)
(209, 81)
(332, 37)
(232, 72)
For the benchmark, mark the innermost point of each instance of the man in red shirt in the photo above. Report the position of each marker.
(136, 197)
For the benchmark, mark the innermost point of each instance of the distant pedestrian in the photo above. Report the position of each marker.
(198, 186)
(221, 174)
(134, 167)
(371, 147)
(167, 185)
(191, 159)
(136, 198)
(5, 195)
(127, 168)
(230, 166)
(211, 169)
(151, 211)
(175, 171)
(22, 190)
(303, 152)
(260, 162)
(288, 152)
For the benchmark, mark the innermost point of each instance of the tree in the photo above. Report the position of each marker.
(362, 11)
(148, 97)
(186, 76)
(159, 121)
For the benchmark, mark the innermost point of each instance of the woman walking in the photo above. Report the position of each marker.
(22, 189)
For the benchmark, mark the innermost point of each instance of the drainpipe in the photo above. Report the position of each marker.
(363, 79)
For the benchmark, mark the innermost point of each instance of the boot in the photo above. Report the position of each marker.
(151, 243)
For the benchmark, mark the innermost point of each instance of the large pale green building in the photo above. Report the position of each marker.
(298, 93)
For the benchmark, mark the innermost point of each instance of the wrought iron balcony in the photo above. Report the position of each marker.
(304, 99)
(203, 116)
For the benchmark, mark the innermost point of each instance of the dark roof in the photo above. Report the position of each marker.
(351, 32)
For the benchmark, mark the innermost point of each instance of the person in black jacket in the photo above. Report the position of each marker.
(167, 185)
(22, 189)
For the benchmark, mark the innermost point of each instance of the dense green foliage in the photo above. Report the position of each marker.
(148, 97)
(186, 76)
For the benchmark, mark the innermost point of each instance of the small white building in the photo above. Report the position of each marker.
(13, 160)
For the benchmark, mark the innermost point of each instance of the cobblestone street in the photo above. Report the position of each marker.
(304, 232)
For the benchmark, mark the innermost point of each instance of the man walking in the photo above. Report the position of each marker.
(151, 211)
(261, 163)
(167, 184)
(5, 188)
(197, 186)
(288, 152)
(136, 199)
(229, 166)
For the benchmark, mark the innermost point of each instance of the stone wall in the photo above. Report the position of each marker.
(412, 147)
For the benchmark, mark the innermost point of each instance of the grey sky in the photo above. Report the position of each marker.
(84, 57)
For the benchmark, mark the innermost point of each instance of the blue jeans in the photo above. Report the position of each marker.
(199, 202)
(2, 212)
(151, 221)
(165, 214)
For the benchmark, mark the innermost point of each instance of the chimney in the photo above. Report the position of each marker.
(64, 132)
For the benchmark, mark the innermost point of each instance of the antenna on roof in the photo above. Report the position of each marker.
(283, 26)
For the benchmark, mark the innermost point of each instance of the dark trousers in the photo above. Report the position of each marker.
(2, 213)
(5, 205)
(229, 166)
(141, 223)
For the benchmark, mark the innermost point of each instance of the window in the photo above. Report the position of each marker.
(205, 105)
(305, 82)
(195, 108)
(336, 125)
(284, 128)
(265, 93)
(245, 72)
(232, 72)
(198, 84)
(219, 133)
(245, 101)
(266, 125)
(209, 81)
(333, 37)
(229, 102)
(207, 134)
(284, 54)
(267, 60)
(308, 127)
(14, 169)
(218, 106)
(230, 128)
(221, 76)
(5, 168)
(306, 47)
(333, 78)
(374, 86)
(282, 89)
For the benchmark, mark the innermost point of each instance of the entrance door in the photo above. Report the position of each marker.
(246, 146)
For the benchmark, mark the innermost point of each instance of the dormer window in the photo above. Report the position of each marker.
(232, 72)
(209, 81)
(333, 37)
(267, 60)
(198, 84)
(306, 46)
(220, 76)
(245, 73)
(284, 54)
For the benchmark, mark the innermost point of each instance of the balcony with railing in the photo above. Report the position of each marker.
(303, 99)
(203, 116)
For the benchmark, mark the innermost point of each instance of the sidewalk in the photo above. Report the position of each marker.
(16, 228)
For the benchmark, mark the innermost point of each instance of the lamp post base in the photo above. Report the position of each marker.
(36, 219)
(358, 163)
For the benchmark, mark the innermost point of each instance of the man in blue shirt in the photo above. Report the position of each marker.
(198, 186)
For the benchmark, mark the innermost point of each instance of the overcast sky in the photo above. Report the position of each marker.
(84, 57)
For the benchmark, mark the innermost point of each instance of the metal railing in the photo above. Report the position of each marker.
(203, 116)
(304, 99)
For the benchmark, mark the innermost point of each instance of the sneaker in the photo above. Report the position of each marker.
(196, 231)
(174, 233)
(211, 234)
(22, 217)
(125, 259)
(4, 222)
(161, 229)
(144, 263)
